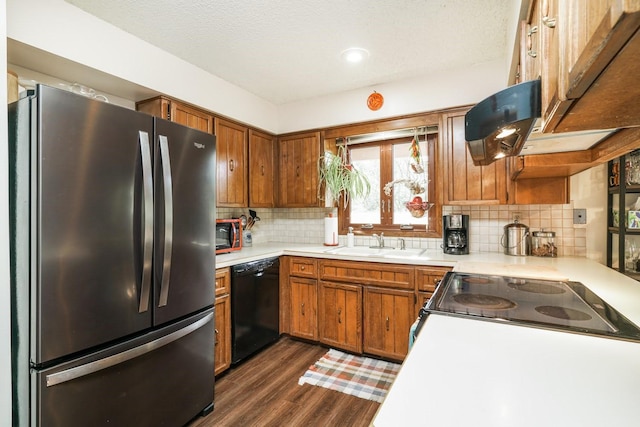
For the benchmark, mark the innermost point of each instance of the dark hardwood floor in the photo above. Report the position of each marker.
(264, 391)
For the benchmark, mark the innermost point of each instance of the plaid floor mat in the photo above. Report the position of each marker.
(359, 376)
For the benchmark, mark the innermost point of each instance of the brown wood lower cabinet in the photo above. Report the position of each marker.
(388, 315)
(304, 306)
(222, 339)
(356, 306)
(340, 315)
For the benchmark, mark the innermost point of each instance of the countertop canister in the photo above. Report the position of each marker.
(515, 239)
(543, 243)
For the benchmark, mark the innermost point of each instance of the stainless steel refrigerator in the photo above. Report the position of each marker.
(113, 252)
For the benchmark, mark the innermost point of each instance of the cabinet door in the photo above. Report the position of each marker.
(598, 44)
(177, 112)
(222, 339)
(465, 183)
(340, 316)
(191, 117)
(298, 167)
(530, 37)
(304, 306)
(388, 315)
(232, 170)
(262, 176)
(223, 281)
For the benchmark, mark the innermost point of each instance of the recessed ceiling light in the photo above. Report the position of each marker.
(354, 54)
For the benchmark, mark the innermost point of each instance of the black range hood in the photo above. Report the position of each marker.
(499, 125)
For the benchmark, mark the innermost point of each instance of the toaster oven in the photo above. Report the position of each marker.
(228, 235)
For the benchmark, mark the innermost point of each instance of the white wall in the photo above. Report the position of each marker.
(589, 191)
(5, 306)
(432, 92)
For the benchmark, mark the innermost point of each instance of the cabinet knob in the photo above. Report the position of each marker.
(549, 22)
(302, 267)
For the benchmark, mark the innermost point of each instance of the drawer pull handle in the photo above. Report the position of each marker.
(302, 309)
(387, 323)
(217, 333)
(339, 313)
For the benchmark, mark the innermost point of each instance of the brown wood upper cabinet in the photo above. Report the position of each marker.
(232, 165)
(298, 168)
(177, 112)
(589, 64)
(262, 171)
(465, 183)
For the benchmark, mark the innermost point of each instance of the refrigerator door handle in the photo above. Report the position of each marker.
(168, 220)
(147, 251)
(116, 359)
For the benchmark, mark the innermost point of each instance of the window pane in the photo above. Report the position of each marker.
(415, 187)
(367, 160)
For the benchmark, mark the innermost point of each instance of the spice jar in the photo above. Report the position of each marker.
(543, 243)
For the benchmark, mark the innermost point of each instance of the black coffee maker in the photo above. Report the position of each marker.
(455, 234)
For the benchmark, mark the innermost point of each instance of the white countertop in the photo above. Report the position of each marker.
(465, 372)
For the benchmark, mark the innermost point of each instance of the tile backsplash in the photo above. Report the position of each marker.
(306, 225)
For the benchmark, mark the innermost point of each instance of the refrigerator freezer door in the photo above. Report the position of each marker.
(164, 378)
(89, 252)
(184, 269)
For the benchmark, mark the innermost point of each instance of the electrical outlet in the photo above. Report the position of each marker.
(579, 216)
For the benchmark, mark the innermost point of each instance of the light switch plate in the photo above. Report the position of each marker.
(579, 216)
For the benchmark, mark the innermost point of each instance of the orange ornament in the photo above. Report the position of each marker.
(375, 101)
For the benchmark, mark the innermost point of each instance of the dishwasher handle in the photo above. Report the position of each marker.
(256, 268)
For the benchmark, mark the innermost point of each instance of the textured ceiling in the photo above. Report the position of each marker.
(289, 50)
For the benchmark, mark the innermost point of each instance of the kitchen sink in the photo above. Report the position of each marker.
(386, 252)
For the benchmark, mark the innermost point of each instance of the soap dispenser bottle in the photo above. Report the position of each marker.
(350, 238)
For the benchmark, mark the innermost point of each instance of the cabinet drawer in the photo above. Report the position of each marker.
(303, 267)
(368, 273)
(428, 278)
(223, 281)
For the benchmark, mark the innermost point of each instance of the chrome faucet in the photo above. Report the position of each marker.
(402, 244)
(380, 239)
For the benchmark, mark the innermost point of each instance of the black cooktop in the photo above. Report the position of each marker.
(561, 305)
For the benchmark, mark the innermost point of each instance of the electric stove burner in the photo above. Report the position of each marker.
(535, 287)
(563, 313)
(488, 302)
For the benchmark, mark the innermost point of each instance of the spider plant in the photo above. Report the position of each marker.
(339, 178)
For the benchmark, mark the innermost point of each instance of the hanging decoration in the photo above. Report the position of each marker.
(416, 184)
(416, 159)
(375, 101)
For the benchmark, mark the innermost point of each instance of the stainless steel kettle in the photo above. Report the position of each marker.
(516, 239)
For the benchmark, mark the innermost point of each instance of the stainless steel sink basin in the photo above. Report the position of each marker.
(377, 252)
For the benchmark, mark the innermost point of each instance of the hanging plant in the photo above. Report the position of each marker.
(339, 178)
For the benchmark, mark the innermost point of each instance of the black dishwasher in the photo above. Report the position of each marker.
(254, 307)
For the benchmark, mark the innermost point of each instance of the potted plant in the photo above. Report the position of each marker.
(339, 178)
